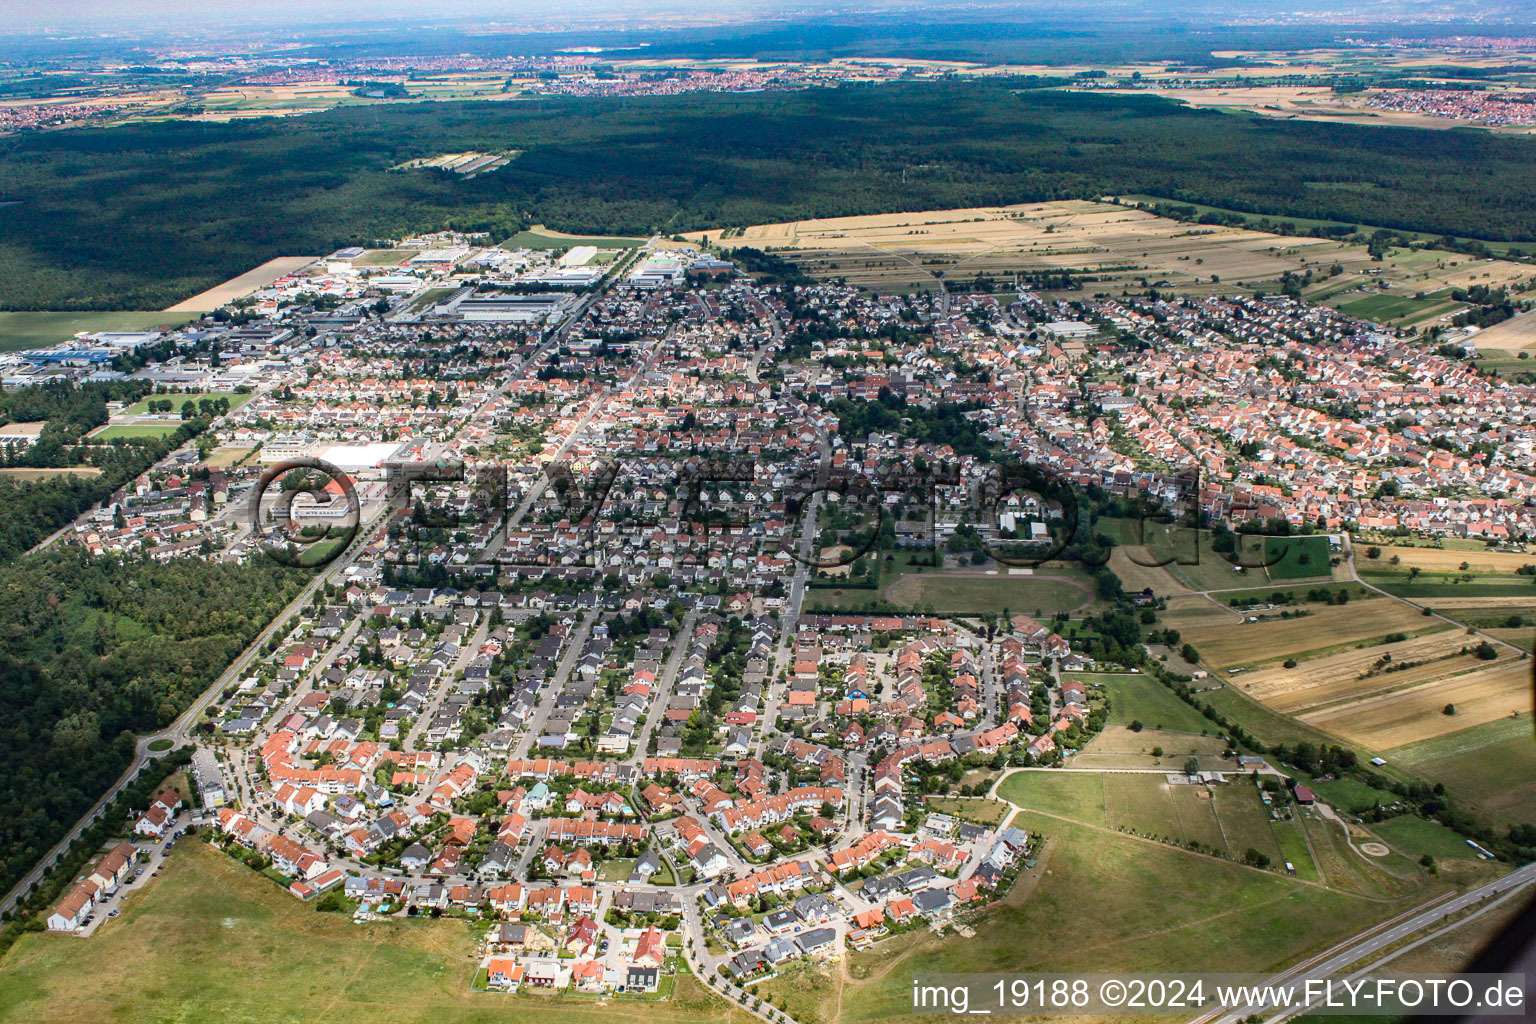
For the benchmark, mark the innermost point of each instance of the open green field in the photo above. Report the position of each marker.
(1227, 820)
(131, 430)
(1257, 720)
(1140, 698)
(1422, 589)
(1352, 795)
(949, 592)
(212, 941)
(1493, 766)
(141, 408)
(1413, 837)
(35, 329)
(1155, 908)
(1293, 558)
(1257, 561)
(1294, 851)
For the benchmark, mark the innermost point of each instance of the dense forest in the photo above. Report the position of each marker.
(144, 215)
(92, 651)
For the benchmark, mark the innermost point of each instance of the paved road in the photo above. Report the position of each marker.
(573, 645)
(179, 731)
(664, 683)
(1343, 956)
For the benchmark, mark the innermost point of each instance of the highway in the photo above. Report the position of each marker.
(1338, 960)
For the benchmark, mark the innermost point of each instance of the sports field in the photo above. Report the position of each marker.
(176, 398)
(132, 430)
(211, 940)
(977, 592)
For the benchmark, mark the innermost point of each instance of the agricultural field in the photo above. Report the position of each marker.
(241, 286)
(975, 592)
(1423, 573)
(1109, 247)
(38, 329)
(1360, 672)
(1225, 645)
(1479, 560)
(18, 473)
(1166, 722)
(1493, 766)
(540, 237)
(1500, 690)
(227, 940)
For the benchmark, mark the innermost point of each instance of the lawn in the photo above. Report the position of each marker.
(141, 408)
(35, 329)
(210, 940)
(1075, 795)
(1153, 908)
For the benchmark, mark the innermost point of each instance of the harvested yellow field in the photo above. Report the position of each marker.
(19, 473)
(1355, 673)
(239, 287)
(1257, 643)
(1184, 613)
(1439, 560)
(1114, 244)
(1407, 716)
(1511, 335)
(1456, 604)
(1135, 576)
